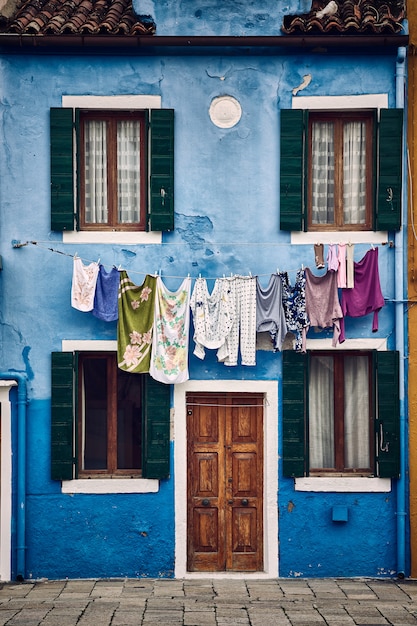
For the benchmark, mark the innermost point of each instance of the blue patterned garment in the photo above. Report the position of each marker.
(294, 301)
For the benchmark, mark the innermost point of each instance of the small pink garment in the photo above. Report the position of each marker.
(84, 281)
(332, 258)
(341, 274)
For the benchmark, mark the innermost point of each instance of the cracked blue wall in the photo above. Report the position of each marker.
(227, 221)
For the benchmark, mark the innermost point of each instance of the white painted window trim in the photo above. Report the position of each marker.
(270, 390)
(103, 485)
(367, 101)
(344, 484)
(112, 102)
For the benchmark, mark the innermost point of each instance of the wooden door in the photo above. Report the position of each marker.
(224, 482)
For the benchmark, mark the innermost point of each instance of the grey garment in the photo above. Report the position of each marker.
(270, 314)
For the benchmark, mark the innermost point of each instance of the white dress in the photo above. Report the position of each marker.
(213, 314)
(84, 281)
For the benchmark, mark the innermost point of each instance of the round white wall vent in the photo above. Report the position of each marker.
(225, 111)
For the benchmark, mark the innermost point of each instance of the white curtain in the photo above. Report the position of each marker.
(128, 171)
(321, 412)
(354, 172)
(95, 172)
(356, 412)
(323, 173)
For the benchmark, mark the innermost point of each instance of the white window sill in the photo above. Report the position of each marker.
(112, 237)
(111, 485)
(354, 484)
(363, 236)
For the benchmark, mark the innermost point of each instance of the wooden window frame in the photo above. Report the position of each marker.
(339, 118)
(112, 416)
(339, 437)
(111, 118)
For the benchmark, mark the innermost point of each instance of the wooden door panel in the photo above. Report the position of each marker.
(205, 528)
(246, 554)
(245, 423)
(205, 475)
(244, 472)
(206, 423)
(225, 482)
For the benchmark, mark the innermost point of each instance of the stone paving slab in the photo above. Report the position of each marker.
(197, 602)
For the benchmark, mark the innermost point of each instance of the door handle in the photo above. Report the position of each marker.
(245, 502)
(205, 502)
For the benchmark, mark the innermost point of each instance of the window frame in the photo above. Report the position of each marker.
(65, 184)
(112, 117)
(386, 401)
(387, 166)
(112, 469)
(339, 118)
(64, 399)
(339, 415)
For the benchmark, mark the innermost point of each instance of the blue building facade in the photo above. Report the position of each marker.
(231, 480)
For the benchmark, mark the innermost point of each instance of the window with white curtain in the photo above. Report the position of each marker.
(340, 163)
(340, 416)
(113, 176)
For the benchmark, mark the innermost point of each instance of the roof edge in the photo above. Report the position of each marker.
(211, 41)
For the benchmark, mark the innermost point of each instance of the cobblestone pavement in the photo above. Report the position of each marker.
(151, 602)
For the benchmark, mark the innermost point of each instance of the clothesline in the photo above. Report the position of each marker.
(155, 272)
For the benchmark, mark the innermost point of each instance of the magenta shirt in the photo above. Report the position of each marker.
(366, 296)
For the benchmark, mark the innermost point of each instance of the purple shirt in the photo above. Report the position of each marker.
(366, 296)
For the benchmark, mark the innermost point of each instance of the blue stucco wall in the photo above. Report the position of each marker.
(220, 17)
(227, 221)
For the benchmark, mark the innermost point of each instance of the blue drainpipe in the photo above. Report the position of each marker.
(400, 332)
(21, 469)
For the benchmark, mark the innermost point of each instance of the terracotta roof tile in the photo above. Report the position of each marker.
(348, 16)
(87, 17)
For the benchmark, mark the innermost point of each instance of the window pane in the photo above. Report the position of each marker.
(323, 173)
(128, 171)
(356, 412)
(321, 412)
(354, 173)
(95, 414)
(129, 420)
(95, 133)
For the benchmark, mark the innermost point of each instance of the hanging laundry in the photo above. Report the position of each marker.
(213, 314)
(366, 296)
(136, 305)
(106, 295)
(332, 258)
(294, 303)
(243, 332)
(270, 316)
(84, 280)
(322, 302)
(350, 278)
(169, 359)
(341, 273)
(319, 255)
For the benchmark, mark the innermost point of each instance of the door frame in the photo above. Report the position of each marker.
(269, 388)
(6, 480)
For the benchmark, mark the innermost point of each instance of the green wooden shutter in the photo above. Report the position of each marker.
(62, 166)
(294, 383)
(387, 423)
(292, 170)
(161, 200)
(156, 426)
(388, 213)
(62, 416)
